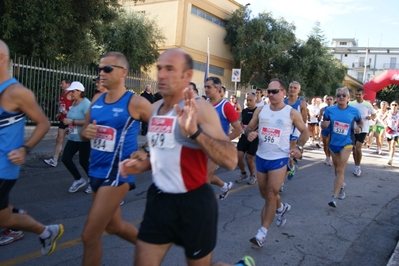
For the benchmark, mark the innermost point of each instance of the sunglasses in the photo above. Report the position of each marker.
(108, 69)
(341, 95)
(275, 91)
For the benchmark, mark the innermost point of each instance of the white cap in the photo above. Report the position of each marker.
(76, 85)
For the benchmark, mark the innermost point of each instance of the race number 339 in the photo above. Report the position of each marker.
(341, 128)
(104, 140)
(271, 135)
(160, 132)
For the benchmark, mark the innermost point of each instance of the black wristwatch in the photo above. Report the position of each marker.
(146, 149)
(28, 149)
(300, 148)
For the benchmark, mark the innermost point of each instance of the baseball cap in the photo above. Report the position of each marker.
(97, 78)
(76, 85)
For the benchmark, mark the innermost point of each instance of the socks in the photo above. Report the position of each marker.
(46, 233)
(262, 233)
(280, 209)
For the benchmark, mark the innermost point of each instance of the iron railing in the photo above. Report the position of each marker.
(44, 78)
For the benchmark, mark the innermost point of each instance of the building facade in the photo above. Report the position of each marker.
(187, 24)
(364, 63)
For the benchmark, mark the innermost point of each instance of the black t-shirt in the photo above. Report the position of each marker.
(246, 115)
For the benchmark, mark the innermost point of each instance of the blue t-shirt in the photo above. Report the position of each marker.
(77, 112)
(341, 124)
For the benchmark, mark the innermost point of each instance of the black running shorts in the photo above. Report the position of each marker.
(187, 219)
(247, 146)
(5, 188)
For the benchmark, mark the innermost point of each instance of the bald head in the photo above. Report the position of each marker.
(188, 61)
(4, 48)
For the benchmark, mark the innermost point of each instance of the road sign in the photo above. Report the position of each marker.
(236, 75)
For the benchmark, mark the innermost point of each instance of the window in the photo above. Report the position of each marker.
(212, 69)
(392, 64)
(207, 16)
(360, 76)
(343, 43)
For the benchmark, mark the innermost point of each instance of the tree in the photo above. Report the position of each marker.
(266, 48)
(136, 36)
(389, 94)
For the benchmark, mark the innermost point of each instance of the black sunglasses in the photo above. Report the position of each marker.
(341, 95)
(274, 91)
(108, 69)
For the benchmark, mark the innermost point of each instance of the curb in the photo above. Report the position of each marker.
(394, 260)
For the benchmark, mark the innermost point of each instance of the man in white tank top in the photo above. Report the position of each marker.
(274, 122)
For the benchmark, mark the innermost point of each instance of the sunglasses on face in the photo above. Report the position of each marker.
(341, 95)
(108, 69)
(274, 91)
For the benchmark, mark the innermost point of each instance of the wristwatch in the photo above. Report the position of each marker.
(146, 149)
(300, 148)
(28, 149)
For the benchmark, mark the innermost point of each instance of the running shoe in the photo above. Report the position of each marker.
(342, 194)
(224, 194)
(242, 177)
(258, 241)
(318, 145)
(357, 172)
(333, 202)
(390, 162)
(77, 184)
(8, 236)
(281, 220)
(246, 261)
(252, 180)
(49, 244)
(282, 188)
(51, 162)
(292, 172)
(88, 190)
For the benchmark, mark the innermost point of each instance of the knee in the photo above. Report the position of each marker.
(89, 237)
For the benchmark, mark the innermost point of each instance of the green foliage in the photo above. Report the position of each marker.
(136, 37)
(77, 32)
(265, 48)
(389, 94)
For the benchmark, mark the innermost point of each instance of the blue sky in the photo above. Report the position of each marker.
(373, 23)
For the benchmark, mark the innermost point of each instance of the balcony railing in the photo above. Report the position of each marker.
(391, 66)
(358, 65)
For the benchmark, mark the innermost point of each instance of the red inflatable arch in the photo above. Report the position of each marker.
(378, 83)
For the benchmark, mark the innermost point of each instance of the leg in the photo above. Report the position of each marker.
(71, 148)
(340, 160)
(251, 164)
(212, 179)
(150, 254)
(241, 165)
(84, 155)
(59, 141)
(18, 221)
(104, 212)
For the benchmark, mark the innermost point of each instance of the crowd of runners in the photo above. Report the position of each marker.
(188, 139)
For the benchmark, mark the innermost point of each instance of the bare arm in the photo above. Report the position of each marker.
(250, 130)
(24, 100)
(89, 131)
(304, 111)
(297, 120)
(237, 129)
(212, 139)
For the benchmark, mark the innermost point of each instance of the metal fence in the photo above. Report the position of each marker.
(44, 78)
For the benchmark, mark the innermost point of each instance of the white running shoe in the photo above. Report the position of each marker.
(50, 162)
(77, 184)
(49, 244)
(224, 194)
(342, 194)
(88, 190)
(281, 220)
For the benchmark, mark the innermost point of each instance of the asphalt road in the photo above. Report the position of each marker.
(362, 230)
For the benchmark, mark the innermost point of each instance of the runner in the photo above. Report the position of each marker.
(274, 122)
(325, 133)
(391, 119)
(181, 207)
(228, 116)
(245, 146)
(339, 118)
(112, 124)
(380, 129)
(17, 102)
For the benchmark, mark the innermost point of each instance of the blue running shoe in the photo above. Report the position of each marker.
(292, 172)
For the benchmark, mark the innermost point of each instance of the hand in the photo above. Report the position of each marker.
(187, 118)
(90, 131)
(57, 115)
(17, 156)
(135, 164)
(252, 135)
(67, 121)
(295, 153)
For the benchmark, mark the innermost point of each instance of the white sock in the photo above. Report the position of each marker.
(55, 158)
(281, 208)
(46, 233)
(262, 233)
(224, 188)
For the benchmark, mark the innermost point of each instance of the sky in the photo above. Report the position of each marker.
(372, 23)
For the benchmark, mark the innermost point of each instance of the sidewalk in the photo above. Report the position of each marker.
(45, 148)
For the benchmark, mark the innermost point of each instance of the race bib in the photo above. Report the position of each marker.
(105, 139)
(62, 107)
(243, 128)
(271, 135)
(160, 132)
(72, 129)
(341, 128)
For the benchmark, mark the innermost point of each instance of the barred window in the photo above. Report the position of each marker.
(212, 69)
(207, 16)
